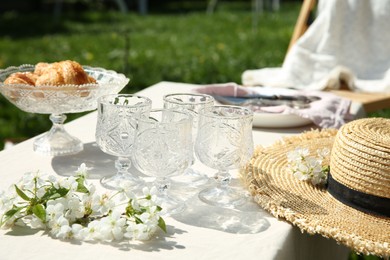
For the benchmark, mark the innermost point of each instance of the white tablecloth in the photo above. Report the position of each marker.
(201, 232)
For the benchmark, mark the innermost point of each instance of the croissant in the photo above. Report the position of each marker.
(62, 73)
(54, 74)
(40, 68)
(28, 78)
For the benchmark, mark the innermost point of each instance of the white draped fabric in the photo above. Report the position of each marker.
(349, 40)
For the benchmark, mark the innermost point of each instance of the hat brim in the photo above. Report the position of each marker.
(310, 208)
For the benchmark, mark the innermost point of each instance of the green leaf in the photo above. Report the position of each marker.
(162, 225)
(39, 211)
(62, 191)
(9, 214)
(130, 211)
(12, 211)
(53, 193)
(22, 194)
(138, 220)
(326, 169)
(80, 185)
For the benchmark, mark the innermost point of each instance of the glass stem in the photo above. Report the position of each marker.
(223, 178)
(57, 119)
(58, 123)
(122, 164)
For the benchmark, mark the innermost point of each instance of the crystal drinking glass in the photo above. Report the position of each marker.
(190, 103)
(58, 101)
(224, 142)
(162, 149)
(115, 132)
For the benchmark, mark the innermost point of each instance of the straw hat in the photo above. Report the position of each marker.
(354, 207)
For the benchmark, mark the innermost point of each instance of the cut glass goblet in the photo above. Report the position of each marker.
(224, 142)
(191, 103)
(115, 132)
(162, 149)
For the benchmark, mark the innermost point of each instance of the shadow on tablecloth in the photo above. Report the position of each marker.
(101, 164)
(246, 219)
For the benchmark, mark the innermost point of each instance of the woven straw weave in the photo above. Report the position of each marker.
(361, 156)
(313, 209)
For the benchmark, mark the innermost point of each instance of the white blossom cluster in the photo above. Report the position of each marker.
(308, 168)
(70, 208)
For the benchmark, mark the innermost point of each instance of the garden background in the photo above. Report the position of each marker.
(175, 41)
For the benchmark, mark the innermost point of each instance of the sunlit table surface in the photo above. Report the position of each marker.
(200, 232)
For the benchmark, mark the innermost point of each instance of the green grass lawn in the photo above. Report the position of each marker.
(184, 47)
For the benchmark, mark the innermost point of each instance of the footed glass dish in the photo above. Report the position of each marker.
(58, 101)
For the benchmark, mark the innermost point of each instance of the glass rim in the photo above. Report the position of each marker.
(105, 99)
(210, 99)
(208, 112)
(147, 119)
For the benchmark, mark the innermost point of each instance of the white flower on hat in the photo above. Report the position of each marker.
(308, 168)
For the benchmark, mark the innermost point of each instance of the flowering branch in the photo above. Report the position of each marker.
(308, 168)
(71, 208)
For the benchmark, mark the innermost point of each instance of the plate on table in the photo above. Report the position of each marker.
(275, 120)
(264, 119)
(267, 97)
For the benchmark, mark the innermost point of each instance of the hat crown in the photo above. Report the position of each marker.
(360, 158)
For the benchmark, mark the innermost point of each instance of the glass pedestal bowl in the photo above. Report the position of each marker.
(58, 101)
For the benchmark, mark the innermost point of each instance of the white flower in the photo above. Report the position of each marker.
(149, 219)
(77, 231)
(150, 199)
(52, 178)
(102, 203)
(83, 170)
(36, 223)
(112, 226)
(139, 231)
(69, 212)
(9, 223)
(6, 201)
(152, 192)
(303, 168)
(91, 232)
(314, 165)
(86, 200)
(56, 225)
(91, 188)
(308, 168)
(30, 181)
(300, 175)
(64, 232)
(322, 153)
(297, 154)
(70, 232)
(125, 190)
(69, 183)
(54, 211)
(76, 209)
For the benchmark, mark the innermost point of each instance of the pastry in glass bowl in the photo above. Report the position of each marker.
(28, 78)
(57, 89)
(62, 74)
(54, 74)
